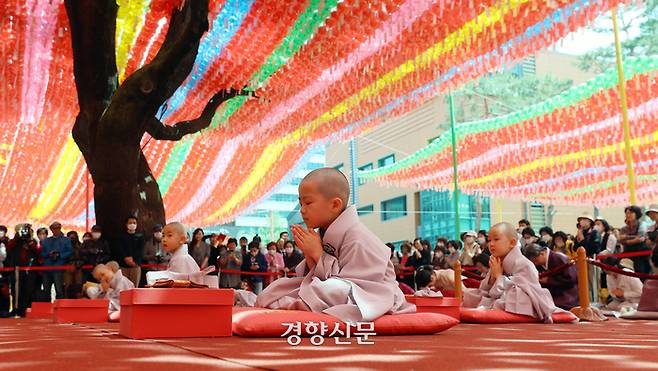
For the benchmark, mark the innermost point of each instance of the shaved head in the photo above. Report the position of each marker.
(502, 239)
(505, 228)
(176, 227)
(331, 183)
(173, 236)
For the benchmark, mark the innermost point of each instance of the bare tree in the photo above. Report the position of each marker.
(113, 119)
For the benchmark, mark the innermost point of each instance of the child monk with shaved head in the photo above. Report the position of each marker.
(512, 283)
(174, 241)
(346, 272)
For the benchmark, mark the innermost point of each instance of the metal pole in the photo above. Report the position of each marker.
(353, 177)
(87, 202)
(455, 195)
(17, 290)
(624, 110)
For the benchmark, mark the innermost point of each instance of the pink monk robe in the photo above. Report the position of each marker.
(516, 291)
(353, 280)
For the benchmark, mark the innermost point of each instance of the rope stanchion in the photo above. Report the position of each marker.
(557, 270)
(633, 254)
(585, 312)
(458, 280)
(623, 272)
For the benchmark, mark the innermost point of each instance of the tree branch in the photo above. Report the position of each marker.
(175, 132)
(160, 78)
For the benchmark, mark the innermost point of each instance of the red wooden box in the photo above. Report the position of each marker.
(446, 306)
(81, 310)
(40, 309)
(176, 313)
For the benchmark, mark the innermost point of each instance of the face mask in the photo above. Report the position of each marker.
(481, 241)
(288, 250)
(131, 227)
(2, 234)
(529, 240)
(95, 235)
(157, 235)
(271, 252)
(598, 228)
(546, 238)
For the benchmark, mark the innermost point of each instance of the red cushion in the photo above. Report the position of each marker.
(260, 322)
(472, 315)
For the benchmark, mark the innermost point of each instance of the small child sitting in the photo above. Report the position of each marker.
(624, 290)
(425, 277)
(182, 265)
(347, 271)
(174, 241)
(512, 283)
(112, 283)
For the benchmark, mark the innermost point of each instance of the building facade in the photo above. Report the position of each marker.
(396, 214)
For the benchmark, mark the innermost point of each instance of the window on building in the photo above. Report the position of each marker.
(394, 208)
(437, 214)
(364, 168)
(340, 167)
(385, 161)
(365, 210)
(536, 216)
(284, 197)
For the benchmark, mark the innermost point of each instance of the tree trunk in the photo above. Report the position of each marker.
(112, 120)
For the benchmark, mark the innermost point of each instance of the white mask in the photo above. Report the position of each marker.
(288, 250)
(546, 238)
(157, 235)
(481, 241)
(2, 234)
(271, 252)
(95, 235)
(131, 227)
(598, 228)
(530, 240)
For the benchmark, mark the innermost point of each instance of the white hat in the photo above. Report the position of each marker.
(627, 263)
(469, 233)
(586, 215)
(652, 208)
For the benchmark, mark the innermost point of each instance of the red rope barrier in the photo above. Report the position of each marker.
(472, 275)
(625, 255)
(623, 272)
(557, 270)
(148, 266)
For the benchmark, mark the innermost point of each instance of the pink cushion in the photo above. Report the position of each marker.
(472, 315)
(260, 322)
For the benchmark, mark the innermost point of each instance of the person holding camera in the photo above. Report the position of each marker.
(56, 251)
(230, 259)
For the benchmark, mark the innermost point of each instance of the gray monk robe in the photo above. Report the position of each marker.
(517, 290)
(353, 280)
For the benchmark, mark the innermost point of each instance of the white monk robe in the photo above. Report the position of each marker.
(517, 290)
(354, 279)
(632, 287)
(182, 262)
(117, 284)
